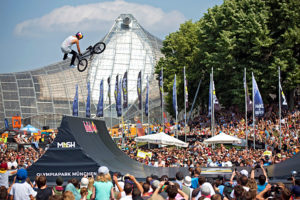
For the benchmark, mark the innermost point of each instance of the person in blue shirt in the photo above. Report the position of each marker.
(262, 179)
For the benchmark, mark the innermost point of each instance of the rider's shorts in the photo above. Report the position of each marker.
(66, 49)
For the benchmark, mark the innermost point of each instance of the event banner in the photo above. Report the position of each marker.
(249, 102)
(283, 99)
(125, 90)
(259, 109)
(119, 99)
(144, 154)
(116, 89)
(175, 97)
(75, 102)
(88, 101)
(212, 91)
(160, 85)
(139, 88)
(186, 94)
(108, 91)
(100, 102)
(147, 99)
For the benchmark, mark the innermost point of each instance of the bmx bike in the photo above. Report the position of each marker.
(82, 61)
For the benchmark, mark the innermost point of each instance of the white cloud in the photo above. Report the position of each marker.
(100, 17)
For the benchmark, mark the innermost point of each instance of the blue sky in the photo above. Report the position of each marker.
(32, 30)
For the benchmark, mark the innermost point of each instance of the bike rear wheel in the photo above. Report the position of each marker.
(99, 47)
(82, 64)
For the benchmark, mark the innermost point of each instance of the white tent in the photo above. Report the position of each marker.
(222, 138)
(30, 128)
(161, 138)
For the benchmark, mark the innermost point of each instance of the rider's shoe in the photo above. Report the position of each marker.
(72, 66)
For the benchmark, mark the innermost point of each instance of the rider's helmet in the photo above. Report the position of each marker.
(79, 35)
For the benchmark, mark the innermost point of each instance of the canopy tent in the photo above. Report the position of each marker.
(161, 138)
(30, 128)
(222, 138)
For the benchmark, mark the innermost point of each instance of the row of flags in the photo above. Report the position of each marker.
(121, 87)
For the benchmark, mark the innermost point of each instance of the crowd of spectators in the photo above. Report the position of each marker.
(199, 154)
(238, 185)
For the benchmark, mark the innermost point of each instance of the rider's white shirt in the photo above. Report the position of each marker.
(67, 44)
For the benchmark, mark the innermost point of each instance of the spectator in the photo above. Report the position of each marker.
(73, 187)
(83, 193)
(4, 175)
(103, 187)
(3, 193)
(186, 186)
(21, 190)
(43, 192)
(262, 179)
(56, 197)
(68, 195)
(172, 191)
(179, 179)
(58, 189)
(146, 188)
(197, 173)
(128, 192)
(296, 188)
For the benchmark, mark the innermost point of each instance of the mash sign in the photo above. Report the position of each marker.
(66, 145)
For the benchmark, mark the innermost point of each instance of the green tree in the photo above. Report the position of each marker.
(254, 34)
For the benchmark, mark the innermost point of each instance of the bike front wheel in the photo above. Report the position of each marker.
(82, 64)
(99, 47)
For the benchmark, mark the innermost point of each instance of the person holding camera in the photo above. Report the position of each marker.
(277, 191)
(262, 179)
(126, 192)
(296, 188)
(172, 191)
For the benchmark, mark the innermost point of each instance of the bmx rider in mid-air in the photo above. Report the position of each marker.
(67, 44)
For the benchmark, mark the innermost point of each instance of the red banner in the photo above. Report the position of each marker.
(139, 127)
(16, 122)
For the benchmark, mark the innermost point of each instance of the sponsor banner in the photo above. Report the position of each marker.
(66, 144)
(143, 154)
(90, 127)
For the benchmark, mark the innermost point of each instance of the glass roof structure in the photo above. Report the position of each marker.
(43, 95)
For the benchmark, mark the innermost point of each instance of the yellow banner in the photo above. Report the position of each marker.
(143, 154)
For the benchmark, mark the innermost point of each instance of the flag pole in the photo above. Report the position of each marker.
(148, 88)
(162, 100)
(110, 105)
(279, 99)
(184, 104)
(142, 99)
(253, 114)
(176, 110)
(246, 123)
(212, 104)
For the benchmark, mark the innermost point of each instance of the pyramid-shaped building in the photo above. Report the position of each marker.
(43, 95)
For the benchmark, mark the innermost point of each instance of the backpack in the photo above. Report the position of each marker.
(57, 192)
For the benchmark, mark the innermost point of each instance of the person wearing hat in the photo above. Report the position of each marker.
(186, 186)
(4, 174)
(103, 187)
(21, 190)
(84, 183)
